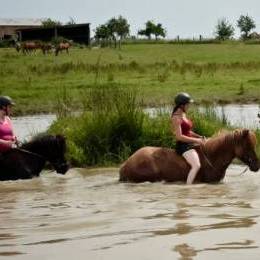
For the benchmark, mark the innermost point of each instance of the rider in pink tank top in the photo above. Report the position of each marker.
(6, 133)
(7, 137)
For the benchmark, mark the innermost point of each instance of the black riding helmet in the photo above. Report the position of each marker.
(183, 99)
(6, 101)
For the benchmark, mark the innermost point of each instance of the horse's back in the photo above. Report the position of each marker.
(154, 164)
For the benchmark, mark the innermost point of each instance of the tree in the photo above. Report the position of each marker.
(118, 29)
(114, 30)
(159, 31)
(246, 24)
(149, 29)
(122, 27)
(102, 33)
(50, 23)
(224, 30)
(152, 29)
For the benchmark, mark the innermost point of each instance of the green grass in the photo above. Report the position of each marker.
(221, 73)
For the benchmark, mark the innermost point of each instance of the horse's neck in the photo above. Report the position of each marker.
(34, 148)
(220, 152)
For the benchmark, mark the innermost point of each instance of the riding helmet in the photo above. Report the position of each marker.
(183, 99)
(6, 101)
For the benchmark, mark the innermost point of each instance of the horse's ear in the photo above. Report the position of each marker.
(245, 132)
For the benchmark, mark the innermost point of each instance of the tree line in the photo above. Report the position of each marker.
(116, 29)
(225, 30)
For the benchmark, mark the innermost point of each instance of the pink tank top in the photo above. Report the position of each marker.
(6, 133)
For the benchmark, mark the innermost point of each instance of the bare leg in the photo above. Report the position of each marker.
(193, 160)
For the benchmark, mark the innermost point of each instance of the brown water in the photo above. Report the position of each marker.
(87, 214)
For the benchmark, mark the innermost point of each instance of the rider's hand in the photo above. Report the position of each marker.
(200, 141)
(11, 144)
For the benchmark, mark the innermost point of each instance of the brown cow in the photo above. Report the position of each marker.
(157, 164)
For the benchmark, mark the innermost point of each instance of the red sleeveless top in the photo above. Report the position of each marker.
(186, 126)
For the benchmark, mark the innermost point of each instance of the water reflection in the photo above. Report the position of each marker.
(188, 252)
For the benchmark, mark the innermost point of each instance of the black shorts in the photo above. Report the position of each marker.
(182, 147)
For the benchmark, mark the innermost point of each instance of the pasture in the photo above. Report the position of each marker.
(221, 73)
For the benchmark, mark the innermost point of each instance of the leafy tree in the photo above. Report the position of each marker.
(50, 23)
(149, 29)
(224, 30)
(114, 30)
(152, 29)
(118, 29)
(102, 34)
(159, 31)
(246, 24)
(122, 27)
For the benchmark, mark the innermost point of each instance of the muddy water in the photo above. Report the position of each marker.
(87, 214)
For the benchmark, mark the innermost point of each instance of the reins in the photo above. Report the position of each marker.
(212, 166)
(28, 152)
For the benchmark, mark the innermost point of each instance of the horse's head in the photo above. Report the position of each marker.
(56, 155)
(245, 143)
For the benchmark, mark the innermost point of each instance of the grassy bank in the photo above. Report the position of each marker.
(113, 126)
(219, 73)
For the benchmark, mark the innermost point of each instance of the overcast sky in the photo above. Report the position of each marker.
(187, 18)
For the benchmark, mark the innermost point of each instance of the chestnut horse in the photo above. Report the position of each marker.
(62, 46)
(157, 164)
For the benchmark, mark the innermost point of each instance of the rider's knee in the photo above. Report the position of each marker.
(196, 166)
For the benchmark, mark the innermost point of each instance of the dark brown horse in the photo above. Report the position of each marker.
(28, 161)
(156, 164)
(61, 47)
(28, 47)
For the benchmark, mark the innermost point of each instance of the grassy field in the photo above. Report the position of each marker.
(220, 73)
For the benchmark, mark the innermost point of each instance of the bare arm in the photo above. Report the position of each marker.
(196, 135)
(176, 129)
(7, 143)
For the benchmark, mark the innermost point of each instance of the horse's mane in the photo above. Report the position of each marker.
(226, 138)
(45, 140)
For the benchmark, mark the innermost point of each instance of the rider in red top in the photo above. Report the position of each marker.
(7, 137)
(186, 126)
(185, 137)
